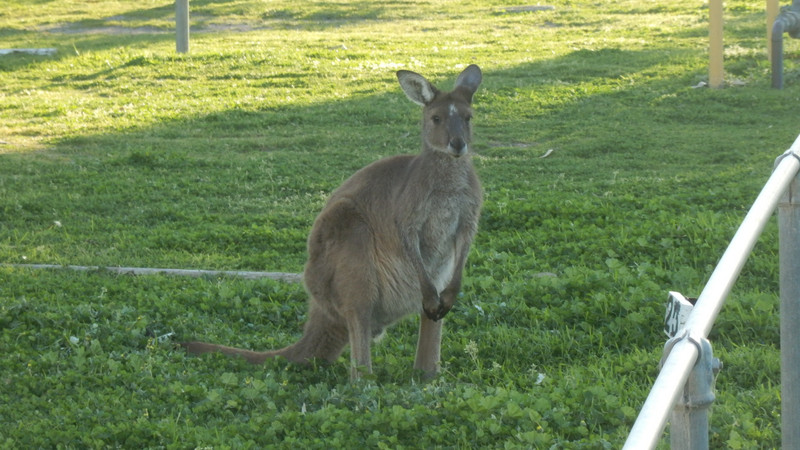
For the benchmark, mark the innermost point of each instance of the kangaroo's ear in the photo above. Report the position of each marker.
(469, 80)
(417, 88)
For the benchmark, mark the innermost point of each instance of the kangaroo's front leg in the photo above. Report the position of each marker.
(450, 293)
(431, 301)
(428, 346)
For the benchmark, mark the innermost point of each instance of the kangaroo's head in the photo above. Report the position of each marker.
(446, 116)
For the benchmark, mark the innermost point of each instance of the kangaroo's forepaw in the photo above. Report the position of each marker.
(437, 312)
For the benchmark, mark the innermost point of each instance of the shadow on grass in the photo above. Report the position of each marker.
(223, 183)
(546, 100)
(593, 102)
(140, 27)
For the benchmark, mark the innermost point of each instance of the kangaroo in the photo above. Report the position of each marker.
(392, 240)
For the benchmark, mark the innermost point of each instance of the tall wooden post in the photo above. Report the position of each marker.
(773, 9)
(715, 46)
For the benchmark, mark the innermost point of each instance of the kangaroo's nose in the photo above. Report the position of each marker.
(458, 146)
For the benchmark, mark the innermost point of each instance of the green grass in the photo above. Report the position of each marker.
(119, 152)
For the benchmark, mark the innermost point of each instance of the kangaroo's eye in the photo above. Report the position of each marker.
(468, 118)
(436, 119)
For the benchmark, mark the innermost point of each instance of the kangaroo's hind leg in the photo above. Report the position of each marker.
(340, 275)
(356, 287)
(360, 334)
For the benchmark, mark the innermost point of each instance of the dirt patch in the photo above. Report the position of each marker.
(530, 8)
(111, 29)
(75, 28)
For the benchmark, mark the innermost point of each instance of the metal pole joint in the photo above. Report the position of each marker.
(790, 15)
(789, 152)
(699, 392)
(689, 420)
(703, 349)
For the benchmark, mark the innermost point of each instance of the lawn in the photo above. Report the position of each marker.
(609, 179)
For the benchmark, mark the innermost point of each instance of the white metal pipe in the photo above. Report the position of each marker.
(721, 281)
(649, 425)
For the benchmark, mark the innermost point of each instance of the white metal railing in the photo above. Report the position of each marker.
(683, 352)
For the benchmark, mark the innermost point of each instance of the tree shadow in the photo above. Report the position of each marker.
(146, 26)
(571, 77)
(344, 117)
(272, 166)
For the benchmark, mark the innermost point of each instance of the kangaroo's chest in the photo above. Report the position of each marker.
(438, 236)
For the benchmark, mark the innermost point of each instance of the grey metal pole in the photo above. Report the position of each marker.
(688, 426)
(182, 26)
(789, 238)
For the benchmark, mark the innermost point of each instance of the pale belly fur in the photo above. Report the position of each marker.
(402, 295)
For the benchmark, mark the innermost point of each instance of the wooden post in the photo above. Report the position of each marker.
(715, 48)
(182, 26)
(773, 9)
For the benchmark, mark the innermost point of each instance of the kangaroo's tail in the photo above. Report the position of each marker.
(197, 348)
(322, 338)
